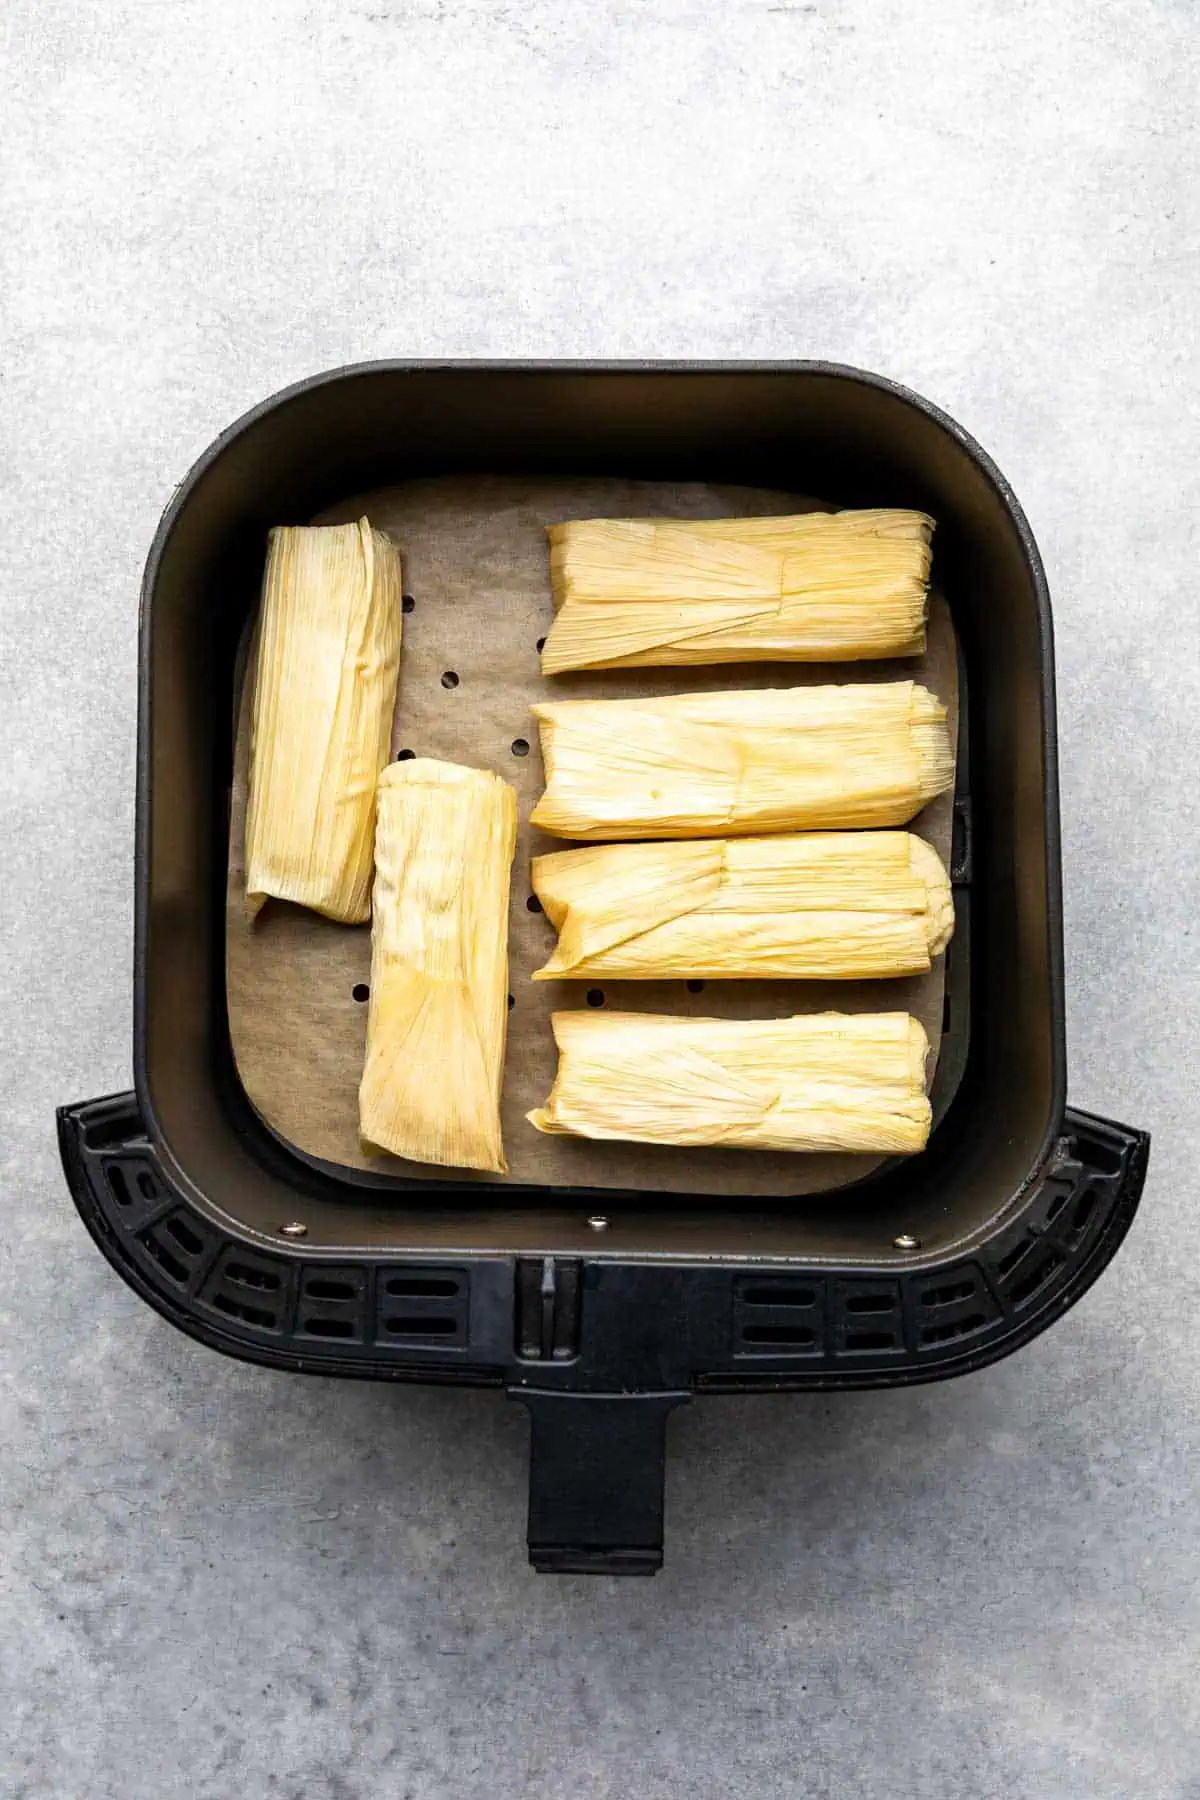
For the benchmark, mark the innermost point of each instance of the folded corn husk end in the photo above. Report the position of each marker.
(931, 738)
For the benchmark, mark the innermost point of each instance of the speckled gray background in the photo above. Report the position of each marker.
(221, 1582)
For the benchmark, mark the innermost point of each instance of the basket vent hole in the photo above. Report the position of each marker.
(595, 996)
(118, 1185)
(520, 746)
(244, 1275)
(778, 1334)
(1037, 1278)
(405, 755)
(695, 987)
(433, 1287)
(146, 1185)
(947, 1294)
(185, 1237)
(779, 1296)
(1085, 1206)
(449, 678)
(871, 1303)
(1011, 1258)
(870, 1340)
(1056, 1205)
(541, 644)
(249, 1315)
(329, 1290)
(954, 1328)
(342, 1328)
(533, 904)
(361, 991)
(424, 1325)
(512, 1001)
(166, 1261)
(407, 603)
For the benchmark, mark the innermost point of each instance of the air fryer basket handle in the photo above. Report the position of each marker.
(596, 1481)
(623, 1343)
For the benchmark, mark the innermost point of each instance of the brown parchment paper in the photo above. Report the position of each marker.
(476, 564)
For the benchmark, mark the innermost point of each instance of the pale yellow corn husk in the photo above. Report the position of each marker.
(818, 587)
(828, 1081)
(324, 694)
(781, 759)
(832, 905)
(438, 1013)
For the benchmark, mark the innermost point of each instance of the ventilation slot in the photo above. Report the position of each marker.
(185, 1237)
(1037, 1277)
(340, 1328)
(953, 1328)
(778, 1318)
(333, 1303)
(134, 1191)
(118, 1186)
(868, 1318)
(948, 1293)
(871, 1340)
(1011, 1258)
(1056, 1205)
(778, 1296)
(420, 1286)
(957, 1306)
(419, 1325)
(1085, 1206)
(242, 1275)
(247, 1314)
(254, 1290)
(167, 1261)
(422, 1306)
(178, 1246)
(788, 1337)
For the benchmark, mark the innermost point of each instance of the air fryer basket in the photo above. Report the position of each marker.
(600, 1311)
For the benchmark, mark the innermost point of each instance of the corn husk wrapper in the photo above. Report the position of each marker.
(816, 587)
(826, 1081)
(324, 695)
(829, 905)
(438, 1012)
(779, 759)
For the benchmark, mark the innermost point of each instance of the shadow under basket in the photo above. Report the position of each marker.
(600, 1310)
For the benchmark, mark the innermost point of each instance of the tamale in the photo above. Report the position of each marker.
(830, 905)
(438, 1011)
(780, 759)
(816, 587)
(826, 1081)
(324, 695)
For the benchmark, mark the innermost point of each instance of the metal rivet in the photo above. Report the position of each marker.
(294, 1229)
(598, 1223)
(906, 1241)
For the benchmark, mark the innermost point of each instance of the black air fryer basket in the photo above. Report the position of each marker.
(601, 1311)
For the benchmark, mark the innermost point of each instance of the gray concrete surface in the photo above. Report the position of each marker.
(220, 1582)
